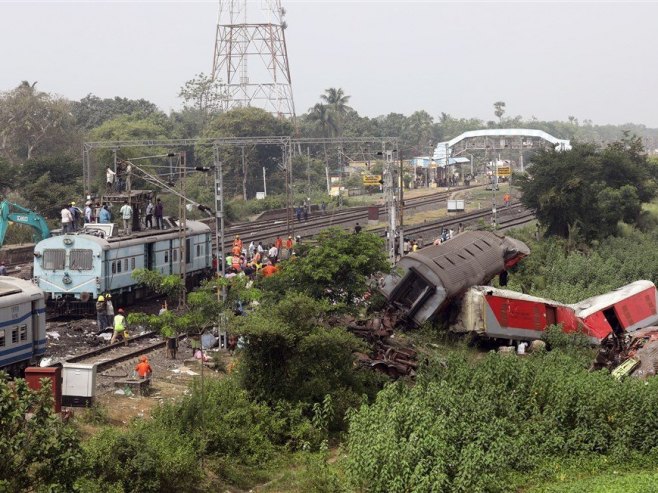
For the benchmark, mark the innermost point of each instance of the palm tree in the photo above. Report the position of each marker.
(336, 100)
(323, 118)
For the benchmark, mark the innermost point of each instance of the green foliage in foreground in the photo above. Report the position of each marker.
(237, 437)
(39, 453)
(476, 426)
(610, 482)
(558, 272)
(291, 355)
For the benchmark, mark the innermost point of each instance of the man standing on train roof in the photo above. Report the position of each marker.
(159, 211)
(67, 219)
(101, 313)
(104, 215)
(109, 178)
(75, 214)
(88, 211)
(127, 216)
(120, 327)
(148, 222)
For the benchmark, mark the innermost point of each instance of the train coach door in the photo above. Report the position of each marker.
(35, 318)
(149, 256)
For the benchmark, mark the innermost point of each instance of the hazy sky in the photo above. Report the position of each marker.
(593, 60)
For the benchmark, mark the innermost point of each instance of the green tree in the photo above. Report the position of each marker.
(203, 94)
(243, 163)
(589, 188)
(499, 110)
(292, 355)
(40, 452)
(336, 269)
(91, 111)
(336, 100)
(33, 123)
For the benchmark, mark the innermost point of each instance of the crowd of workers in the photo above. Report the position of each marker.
(74, 219)
(256, 258)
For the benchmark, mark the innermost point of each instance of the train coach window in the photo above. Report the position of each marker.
(174, 256)
(166, 257)
(125, 265)
(114, 267)
(81, 259)
(14, 335)
(53, 259)
(2, 338)
(132, 263)
(198, 250)
(118, 265)
(23, 332)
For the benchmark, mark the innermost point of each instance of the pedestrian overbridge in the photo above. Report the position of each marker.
(494, 141)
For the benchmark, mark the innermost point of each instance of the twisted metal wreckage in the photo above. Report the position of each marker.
(448, 280)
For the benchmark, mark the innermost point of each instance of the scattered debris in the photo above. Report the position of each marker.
(634, 354)
(51, 334)
(387, 355)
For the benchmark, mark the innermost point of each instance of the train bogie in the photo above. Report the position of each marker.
(22, 324)
(498, 313)
(74, 269)
(424, 282)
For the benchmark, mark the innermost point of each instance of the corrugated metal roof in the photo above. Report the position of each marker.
(469, 259)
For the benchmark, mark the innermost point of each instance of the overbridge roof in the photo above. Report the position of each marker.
(442, 147)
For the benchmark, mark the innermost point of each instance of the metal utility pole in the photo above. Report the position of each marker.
(401, 204)
(182, 226)
(219, 213)
(264, 183)
(389, 201)
(251, 57)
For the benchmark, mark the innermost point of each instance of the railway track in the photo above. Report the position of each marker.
(108, 356)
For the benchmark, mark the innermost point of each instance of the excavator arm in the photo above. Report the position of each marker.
(10, 212)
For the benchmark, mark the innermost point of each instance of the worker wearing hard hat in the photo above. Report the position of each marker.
(101, 313)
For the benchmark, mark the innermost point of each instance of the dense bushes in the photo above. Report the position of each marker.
(556, 272)
(237, 438)
(468, 427)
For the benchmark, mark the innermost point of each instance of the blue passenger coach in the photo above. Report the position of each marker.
(73, 269)
(22, 324)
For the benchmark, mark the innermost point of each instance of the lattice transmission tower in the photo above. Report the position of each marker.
(251, 58)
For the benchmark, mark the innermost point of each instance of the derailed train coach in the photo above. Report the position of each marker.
(502, 314)
(425, 281)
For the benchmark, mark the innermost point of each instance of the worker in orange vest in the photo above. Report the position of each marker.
(237, 242)
(269, 270)
(278, 243)
(143, 368)
(289, 243)
(506, 199)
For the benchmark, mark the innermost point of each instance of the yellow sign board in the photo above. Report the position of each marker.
(371, 179)
(504, 171)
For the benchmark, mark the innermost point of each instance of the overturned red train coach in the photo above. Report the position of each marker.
(499, 313)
